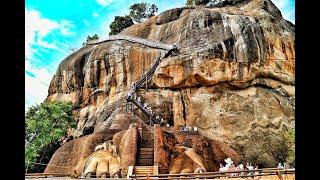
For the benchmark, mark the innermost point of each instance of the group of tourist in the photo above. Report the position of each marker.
(145, 105)
(188, 128)
(230, 167)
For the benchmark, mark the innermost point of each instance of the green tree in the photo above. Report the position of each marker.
(45, 125)
(89, 38)
(140, 11)
(189, 2)
(291, 144)
(119, 24)
(197, 2)
(94, 37)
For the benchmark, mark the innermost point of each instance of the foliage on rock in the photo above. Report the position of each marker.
(120, 23)
(140, 11)
(45, 124)
(267, 149)
(197, 2)
(89, 38)
(291, 144)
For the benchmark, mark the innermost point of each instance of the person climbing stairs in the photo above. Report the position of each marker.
(147, 76)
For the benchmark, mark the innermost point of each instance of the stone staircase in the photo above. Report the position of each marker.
(145, 157)
(143, 170)
(146, 153)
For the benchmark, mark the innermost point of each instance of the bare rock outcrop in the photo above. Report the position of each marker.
(70, 158)
(184, 152)
(80, 156)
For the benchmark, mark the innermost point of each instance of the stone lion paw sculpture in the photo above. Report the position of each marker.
(186, 161)
(103, 162)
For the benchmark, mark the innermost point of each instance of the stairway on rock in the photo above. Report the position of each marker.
(146, 152)
(143, 80)
(144, 170)
(145, 157)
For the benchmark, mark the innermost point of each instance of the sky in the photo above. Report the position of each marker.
(54, 27)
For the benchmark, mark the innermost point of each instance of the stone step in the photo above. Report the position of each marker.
(146, 149)
(148, 160)
(143, 167)
(145, 153)
(146, 156)
(143, 171)
(145, 162)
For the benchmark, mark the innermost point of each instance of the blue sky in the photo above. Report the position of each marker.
(53, 27)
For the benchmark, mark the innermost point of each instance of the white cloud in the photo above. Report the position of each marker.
(36, 88)
(86, 22)
(104, 2)
(66, 26)
(46, 44)
(95, 14)
(37, 28)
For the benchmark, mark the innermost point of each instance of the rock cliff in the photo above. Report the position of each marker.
(233, 77)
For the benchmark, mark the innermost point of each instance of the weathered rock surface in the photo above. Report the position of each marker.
(72, 155)
(233, 78)
(78, 156)
(183, 152)
(129, 148)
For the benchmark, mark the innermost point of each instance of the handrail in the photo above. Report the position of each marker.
(276, 170)
(45, 174)
(146, 77)
(147, 42)
(144, 111)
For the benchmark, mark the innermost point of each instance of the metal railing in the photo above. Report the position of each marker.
(228, 174)
(144, 79)
(146, 42)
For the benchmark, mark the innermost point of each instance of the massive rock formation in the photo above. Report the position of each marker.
(233, 77)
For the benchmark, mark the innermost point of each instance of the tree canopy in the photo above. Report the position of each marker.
(89, 38)
(95, 36)
(197, 2)
(119, 24)
(45, 124)
(140, 11)
(291, 144)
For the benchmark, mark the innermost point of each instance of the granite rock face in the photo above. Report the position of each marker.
(71, 157)
(233, 77)
(80, 156)
(184, 152)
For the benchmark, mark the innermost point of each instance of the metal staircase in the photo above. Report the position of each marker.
(143, 81)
